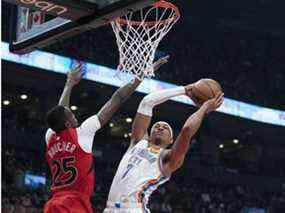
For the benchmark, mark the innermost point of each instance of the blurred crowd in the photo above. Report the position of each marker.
(15, 196)
(177, 196)
(248, 65)
(248, 61)
(23, 153)
(242, 64)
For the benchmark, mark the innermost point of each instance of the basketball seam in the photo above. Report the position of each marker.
(210, 88)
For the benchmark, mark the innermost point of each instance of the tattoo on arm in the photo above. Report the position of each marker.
(116, 101)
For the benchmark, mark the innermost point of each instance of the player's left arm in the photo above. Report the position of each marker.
(89, 127)
(122, 94)
(73, 77)
(116, 101)
(173, 159)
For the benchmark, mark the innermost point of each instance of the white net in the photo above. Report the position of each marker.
(138, 35)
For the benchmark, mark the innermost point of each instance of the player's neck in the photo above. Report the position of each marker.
(153, 145)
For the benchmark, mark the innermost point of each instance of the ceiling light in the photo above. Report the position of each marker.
(73, 108)
(221, 146)
(235, 141)
(129, 120)
(24, 96)
(125, 135)
(111, 124)
(6, 102)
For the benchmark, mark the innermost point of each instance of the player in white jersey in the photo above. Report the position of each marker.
(148, 163)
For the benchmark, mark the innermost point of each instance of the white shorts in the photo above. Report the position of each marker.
(123, 210)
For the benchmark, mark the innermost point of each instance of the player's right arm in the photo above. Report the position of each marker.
(144, 113)
(174, 158)
(73, 77)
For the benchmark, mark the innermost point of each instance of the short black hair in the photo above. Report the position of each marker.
(56, 118)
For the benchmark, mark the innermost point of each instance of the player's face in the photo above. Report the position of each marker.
(161, 134)
(71, 121)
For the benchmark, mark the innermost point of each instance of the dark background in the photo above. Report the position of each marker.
(239, 43)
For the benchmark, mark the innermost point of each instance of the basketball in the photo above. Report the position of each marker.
(204, 90)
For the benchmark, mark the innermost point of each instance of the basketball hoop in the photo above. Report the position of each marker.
(138, 35)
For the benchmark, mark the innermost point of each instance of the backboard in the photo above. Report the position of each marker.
(39, 23)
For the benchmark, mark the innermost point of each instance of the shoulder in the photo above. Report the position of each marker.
(90, 125)
(48, 135)
(143, 143)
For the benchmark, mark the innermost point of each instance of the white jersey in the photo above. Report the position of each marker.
(138, 175)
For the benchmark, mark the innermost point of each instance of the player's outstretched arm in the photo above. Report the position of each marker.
(117, 99)
(174, 158)
(144, 113)
(73, 77)
(121, 95)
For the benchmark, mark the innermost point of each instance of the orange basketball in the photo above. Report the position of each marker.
(204, 90)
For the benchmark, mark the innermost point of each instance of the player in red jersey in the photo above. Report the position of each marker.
(69, 147)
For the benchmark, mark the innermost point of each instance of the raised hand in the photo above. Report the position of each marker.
(160, 62)
(189, 93)
(74, 75)
(214, 103)
(188, 90)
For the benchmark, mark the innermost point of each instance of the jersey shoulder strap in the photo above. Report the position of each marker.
(142, 144)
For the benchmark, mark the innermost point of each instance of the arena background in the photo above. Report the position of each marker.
(240, 44)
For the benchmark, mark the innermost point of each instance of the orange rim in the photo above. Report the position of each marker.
(159, 4)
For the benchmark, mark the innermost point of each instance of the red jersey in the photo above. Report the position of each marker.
(71, 167)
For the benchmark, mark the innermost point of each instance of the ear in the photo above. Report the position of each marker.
(67, 124)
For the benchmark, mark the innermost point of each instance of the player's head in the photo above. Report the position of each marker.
(161, 134)
(60, 118)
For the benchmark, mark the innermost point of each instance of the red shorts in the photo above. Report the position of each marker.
(68, 202)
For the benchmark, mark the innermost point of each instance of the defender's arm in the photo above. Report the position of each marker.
(116, 101)
(122, 94)
(73, 78)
